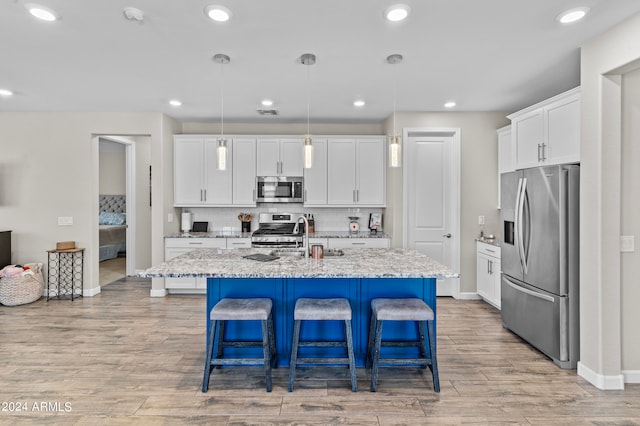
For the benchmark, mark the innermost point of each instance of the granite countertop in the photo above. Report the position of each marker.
(238, 234)
(491, 241)
(356, 263)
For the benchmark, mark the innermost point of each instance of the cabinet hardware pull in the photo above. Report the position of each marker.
(194, 243)
(539, 153)
(205, 195)
(544, 152)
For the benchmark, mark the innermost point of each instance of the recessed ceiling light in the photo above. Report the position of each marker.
(572, 15)
(396, 12)
(6, 92)
(266, 102)
(217, 13)
(175, 103)
(359, 103)
(450, 104)
(41, 12)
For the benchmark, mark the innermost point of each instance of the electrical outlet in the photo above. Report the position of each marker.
(480, 220)
(170, 217)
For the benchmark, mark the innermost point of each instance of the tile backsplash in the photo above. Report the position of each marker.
(326, 219)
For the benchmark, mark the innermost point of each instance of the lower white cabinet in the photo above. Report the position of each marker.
(175, 247)
(238, 242)
(488, 272)
(335, 243)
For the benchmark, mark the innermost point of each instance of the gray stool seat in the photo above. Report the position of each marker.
(331, 309)
(241, 309)
(322, 309)
(402, 309)
(228, 309)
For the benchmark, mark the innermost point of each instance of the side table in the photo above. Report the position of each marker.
(65, 272)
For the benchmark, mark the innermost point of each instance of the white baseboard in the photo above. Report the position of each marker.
(158, 293)
(90, 292)
(601, 381)
(469, 296)
(631, 376)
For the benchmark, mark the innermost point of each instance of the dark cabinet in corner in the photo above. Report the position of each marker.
(5, 248)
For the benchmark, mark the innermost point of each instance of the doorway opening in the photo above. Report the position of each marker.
(117, 208)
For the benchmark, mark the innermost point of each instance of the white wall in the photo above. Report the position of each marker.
(604, 318)
(478, 181)
(48, 168)
(630, 293)
(113, 172)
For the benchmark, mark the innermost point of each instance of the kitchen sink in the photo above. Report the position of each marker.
(287, 252)
(300, 253)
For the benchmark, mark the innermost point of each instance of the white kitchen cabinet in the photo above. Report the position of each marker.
(337, 243)
(315, 178)
(547, 133)
(279, 157)
(197, 182)
(356, 173)
(488, 272)
(238, 243)
(175, 247)
(244, 172)
(505, 160)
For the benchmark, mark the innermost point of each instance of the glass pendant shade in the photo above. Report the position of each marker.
(308, 152)
(394, 151)
(221, 152)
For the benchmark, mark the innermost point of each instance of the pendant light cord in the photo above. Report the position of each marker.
(308, 95)
(222, 100)
(394, 100)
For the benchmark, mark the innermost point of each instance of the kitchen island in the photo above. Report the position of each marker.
(359, 276)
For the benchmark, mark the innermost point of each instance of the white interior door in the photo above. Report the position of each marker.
(431, 199)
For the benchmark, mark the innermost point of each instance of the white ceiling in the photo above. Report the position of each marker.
(487, 55)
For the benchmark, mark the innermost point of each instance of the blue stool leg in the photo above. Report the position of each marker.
(376, 355)
(272, 342)
(294, 353)
(266, 350)
(369, 357)
(207, 365)
(434, 362)
(423, 341)
(352, 361)
(220, 341)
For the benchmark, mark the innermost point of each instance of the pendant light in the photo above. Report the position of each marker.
(394, 139)
(221, 150)
(308, 59)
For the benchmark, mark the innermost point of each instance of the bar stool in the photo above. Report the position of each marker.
(323, 310)
(256, 309)
(410, 309)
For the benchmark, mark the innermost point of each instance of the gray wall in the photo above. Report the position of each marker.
(478, 180)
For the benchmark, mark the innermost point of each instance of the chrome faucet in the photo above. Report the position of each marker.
(306, 236)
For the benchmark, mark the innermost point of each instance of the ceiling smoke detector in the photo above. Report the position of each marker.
(133, 14)
(262, 111)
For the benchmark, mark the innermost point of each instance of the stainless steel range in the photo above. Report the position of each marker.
(278, 230)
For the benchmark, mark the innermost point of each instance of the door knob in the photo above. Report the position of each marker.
(447, 235)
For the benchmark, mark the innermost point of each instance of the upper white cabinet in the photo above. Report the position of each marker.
(505, 157)
(548, 132)
(356, 172)
(197, 182)
(315, 178)
(244, 172)
(279, 157)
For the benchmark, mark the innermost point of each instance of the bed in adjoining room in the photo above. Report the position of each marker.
(112, 222)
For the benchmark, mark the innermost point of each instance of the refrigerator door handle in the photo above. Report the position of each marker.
(516, 227)
(522, 190)
(564, 220)
(527, 291)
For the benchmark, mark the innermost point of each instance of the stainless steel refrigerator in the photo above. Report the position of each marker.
(540, 259)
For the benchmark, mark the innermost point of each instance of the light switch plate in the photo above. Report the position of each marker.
(170, 217)
(65, 220)
(481, 220)
(627, 243)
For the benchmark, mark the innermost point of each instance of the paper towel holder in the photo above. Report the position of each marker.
(185, 223)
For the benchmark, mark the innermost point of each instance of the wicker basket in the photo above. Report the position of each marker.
(21, 290)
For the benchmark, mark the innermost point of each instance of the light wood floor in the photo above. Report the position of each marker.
(125, 358)
(112, 270)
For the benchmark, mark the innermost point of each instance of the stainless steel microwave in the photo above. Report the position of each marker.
(279, 189)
